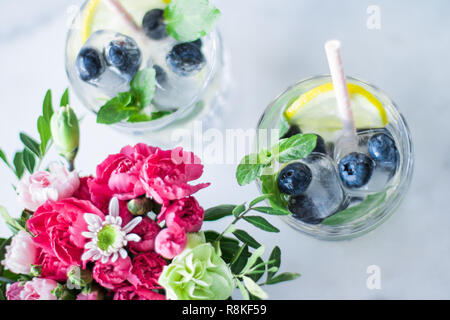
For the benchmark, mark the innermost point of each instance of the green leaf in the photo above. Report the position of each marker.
(296, 147)
(18, 164)
(270, 186)
(259, 200)
(287, 276)
(238, 254)
(28, 160)
(30, 143)
(143, 86)
(246, 238)
(253, 258)
(272, 211)
(244, 292)
(190, 20)
(47, 108)
(261, 223)
(372, 202)
(238, 210)
(275, 256)
(45, 134)
(65, 98)
(239, 264)
(9, 220)
(249, 169)
(140, 117)
(254, 288)
(113, 112)
(125, 98)
(219, 212)
(228, 246)
(4, 158)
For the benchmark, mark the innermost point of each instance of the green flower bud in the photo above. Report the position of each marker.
(140, 206)
(35, 270)
(66, 132)
(79, 277)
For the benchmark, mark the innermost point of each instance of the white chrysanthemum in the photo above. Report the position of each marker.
(108, 237)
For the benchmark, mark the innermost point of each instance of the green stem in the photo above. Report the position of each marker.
(236, 219)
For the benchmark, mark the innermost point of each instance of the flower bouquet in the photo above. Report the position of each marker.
(134, 231)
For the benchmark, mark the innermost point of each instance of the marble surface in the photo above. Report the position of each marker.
(272, 46)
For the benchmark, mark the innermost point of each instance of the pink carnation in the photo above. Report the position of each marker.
(166, 175)
(118, 175)
(171, 242)
(52, 267)
(88, 296)
(58, 227)
(147, 268)
(36, 289)
(147, 230)
(131, 293)
(111, 275)
(186, 213)
(55, 184)
(21, 254)
(83, 193)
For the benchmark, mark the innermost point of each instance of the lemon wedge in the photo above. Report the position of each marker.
(316, 110)
(97, 15)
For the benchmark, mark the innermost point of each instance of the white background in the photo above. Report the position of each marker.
(273, 44)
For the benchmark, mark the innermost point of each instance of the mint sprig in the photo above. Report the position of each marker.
(294, 148)
(189, 20)
(129, 105)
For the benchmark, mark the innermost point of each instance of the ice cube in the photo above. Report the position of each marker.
(118, 56)
(381, 174)
(324, 196)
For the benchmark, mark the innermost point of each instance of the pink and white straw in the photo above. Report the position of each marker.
(333, 50)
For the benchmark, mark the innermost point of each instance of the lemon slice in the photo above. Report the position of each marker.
(97, 15)
(316, 110)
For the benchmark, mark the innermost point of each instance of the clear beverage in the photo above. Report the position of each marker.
(330, 208)
(182, 96)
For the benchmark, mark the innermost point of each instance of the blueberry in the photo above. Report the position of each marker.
(124, 55)
(294, 179)
(303, 209)
(383, 150)
(198, 43)
(356, 170)
(185, 59)
(293, 130)
(153, 24)
(89, 64)
(161, 75)
(320, 145)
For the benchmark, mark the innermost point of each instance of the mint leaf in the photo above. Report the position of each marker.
(219, 212)
(65, 98)
(18, 164)
(47, 108)
(261, 223)
(28, 160)
(246, 238)
(125, 98)
(249, 169)
(296, 147)
(140, 117)
(190, 20)
(143, 86)
(270, 186)
(114, 111)
(372, 201)
(30, 143)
